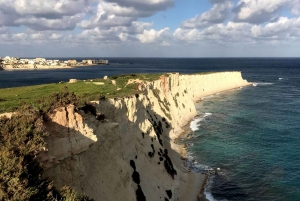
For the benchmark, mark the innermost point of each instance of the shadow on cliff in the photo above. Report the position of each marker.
(64, 141)
(157, 146)
(122, 153)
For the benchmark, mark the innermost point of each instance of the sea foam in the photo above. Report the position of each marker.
(207, 190)
(261, 83)
(195, 124)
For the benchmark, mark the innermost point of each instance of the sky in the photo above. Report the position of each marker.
(150, 28)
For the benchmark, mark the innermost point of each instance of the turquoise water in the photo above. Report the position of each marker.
(253, 135)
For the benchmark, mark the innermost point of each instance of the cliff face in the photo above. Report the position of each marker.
(129, 153)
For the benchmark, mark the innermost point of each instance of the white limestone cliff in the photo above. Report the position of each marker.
(129, 154)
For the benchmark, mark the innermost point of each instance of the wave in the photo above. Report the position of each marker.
(195, 124)
(261, 83)
(194, 166)
(207, 189)
(209, 196)
(207, 114)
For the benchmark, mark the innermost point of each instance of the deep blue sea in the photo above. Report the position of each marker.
(252, 134)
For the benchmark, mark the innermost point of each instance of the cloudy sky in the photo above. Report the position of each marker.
(150, 28)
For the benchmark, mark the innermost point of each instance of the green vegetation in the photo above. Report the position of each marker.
(121, 80)
(21, 174)
(22, 136)
(12, 98)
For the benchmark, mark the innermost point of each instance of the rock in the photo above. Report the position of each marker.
(72, 80)
(98, 83)
(105, 77)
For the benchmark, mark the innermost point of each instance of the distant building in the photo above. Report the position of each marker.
(38, 60)
(90, 62)
(102, 61)
(31, 61)
(72, 62)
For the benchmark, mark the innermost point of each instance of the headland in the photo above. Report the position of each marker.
(121, 145)
(15, 63)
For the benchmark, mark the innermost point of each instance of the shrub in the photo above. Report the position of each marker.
(21, 174)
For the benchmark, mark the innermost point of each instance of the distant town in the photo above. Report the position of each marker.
(14, 63)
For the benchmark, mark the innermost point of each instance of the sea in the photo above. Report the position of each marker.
(252, 134)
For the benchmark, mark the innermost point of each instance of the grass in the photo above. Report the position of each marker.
(22, 136)
(21, 173)
(12, 98)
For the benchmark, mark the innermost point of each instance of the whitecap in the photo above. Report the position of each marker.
(194, 125)
(280, 78)
(261, 83)
(195, 166)
(207, 193)
(207, 114)
(209, 196)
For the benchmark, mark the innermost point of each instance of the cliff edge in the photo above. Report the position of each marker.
(123, 148)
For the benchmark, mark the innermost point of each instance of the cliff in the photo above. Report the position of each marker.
(127, 151)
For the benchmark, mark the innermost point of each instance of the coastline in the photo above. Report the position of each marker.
(42, 67)
(138, 114)
(196, 181)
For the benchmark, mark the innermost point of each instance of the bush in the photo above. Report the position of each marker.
(60, 99)
(21, 174)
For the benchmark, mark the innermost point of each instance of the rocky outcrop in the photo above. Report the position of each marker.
(129, 153)
(7, 115)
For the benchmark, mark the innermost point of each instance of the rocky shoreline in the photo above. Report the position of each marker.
(125, 148)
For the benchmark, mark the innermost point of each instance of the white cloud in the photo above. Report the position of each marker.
(284, 28)
(145, 6)
(44, 15)
(66, 23)
(217, 14)
(50, 9)
(107, 18)
(123, 13)
(258, 11)
(295, 7)
(218, 1)
(153, 36)
(187, 35)
(118, 23)
(19, 36)
(38, 36)
(219, 33)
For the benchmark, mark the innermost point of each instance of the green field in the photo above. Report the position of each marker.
(39, 95)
